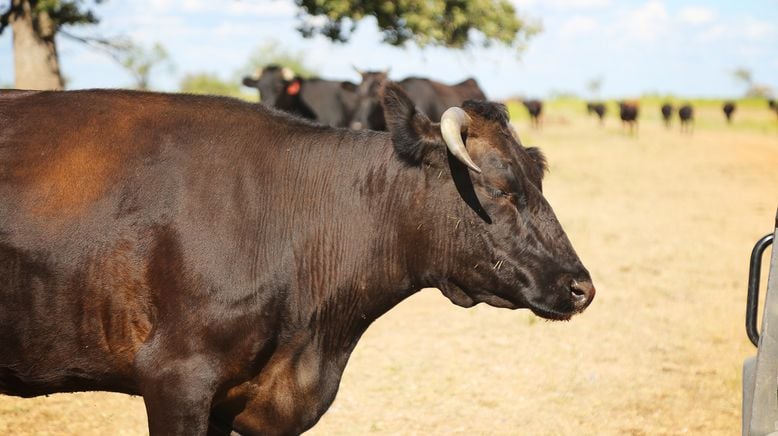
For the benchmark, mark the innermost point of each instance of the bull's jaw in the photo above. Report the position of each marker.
(465, 299)
(457, 295)
(553, 314)
(460, 297)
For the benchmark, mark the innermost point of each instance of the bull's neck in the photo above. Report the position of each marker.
(391, 252)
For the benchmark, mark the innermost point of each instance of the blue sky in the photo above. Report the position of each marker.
(687, 48)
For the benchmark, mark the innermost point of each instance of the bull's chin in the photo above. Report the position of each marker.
(465, 299)
(551, 314)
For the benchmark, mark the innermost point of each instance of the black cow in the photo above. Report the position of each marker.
(431, 97)
(597, 108)
(326, 101)
(535, 109)
(686, 115)
(628, 112)
(773, 105)
(222, 260)
(667, 113)
(729, 108)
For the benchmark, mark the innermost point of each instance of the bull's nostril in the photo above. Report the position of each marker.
(582, 292)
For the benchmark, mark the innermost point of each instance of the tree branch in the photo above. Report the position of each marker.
(113, 47)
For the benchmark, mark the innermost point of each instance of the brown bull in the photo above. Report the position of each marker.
(222, 260)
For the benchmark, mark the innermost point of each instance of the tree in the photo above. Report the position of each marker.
(744, 75)
(139, 61)
(594, 85)
(271, 52)
(753, 89)
(448, 23)
(35, 24)
(207, 83)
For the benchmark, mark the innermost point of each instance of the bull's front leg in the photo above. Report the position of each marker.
(177, 390)
(290, 394)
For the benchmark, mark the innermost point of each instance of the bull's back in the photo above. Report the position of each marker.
(433, 98)
(77, 219)
(327, 100)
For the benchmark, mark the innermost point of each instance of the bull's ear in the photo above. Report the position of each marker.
(539, 158)
(413, 134)
(348, 86)
(250, 82)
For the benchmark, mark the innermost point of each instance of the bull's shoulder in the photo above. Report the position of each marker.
(470, 81)
(415, 81)
(470, 89)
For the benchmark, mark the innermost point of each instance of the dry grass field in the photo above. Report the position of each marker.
(665, 223)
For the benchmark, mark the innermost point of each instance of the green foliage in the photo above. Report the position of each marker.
(448, 23)
(744, 75)
(68, 12)
(272, 52)
(753, 89)
(211, 84)
(139, 61)
(61, 12)
(594, 85)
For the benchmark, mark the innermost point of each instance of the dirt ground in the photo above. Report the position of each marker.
(665, 223)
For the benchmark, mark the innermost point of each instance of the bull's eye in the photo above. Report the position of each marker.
(496, 193)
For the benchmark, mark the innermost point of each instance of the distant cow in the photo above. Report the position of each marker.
(535, 109)
(325, 101)
(222, 260)
(729, 109)
(597, 108)
(667, 113)
(686, 115)
(773, 105)
(628, 112)
(431, 97)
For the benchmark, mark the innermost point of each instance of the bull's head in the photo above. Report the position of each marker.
(271, 81)
(498, 239)
(368, 113)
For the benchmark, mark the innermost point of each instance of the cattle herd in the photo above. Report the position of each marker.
(345, 104)
(357, 106)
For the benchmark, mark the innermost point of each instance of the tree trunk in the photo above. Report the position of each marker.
(36, 64)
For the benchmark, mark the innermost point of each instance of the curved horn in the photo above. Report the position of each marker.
(452, 123)
(287, 74)
(258, 73)
(360, 72)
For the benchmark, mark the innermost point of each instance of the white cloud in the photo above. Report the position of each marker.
(579, 4)
(263, 8)
(713, 33)
(647, 22)
(578, 25)
(757, 30)
(561, 4)
(696, 15)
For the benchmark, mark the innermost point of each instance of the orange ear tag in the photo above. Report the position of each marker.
(293, 88)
